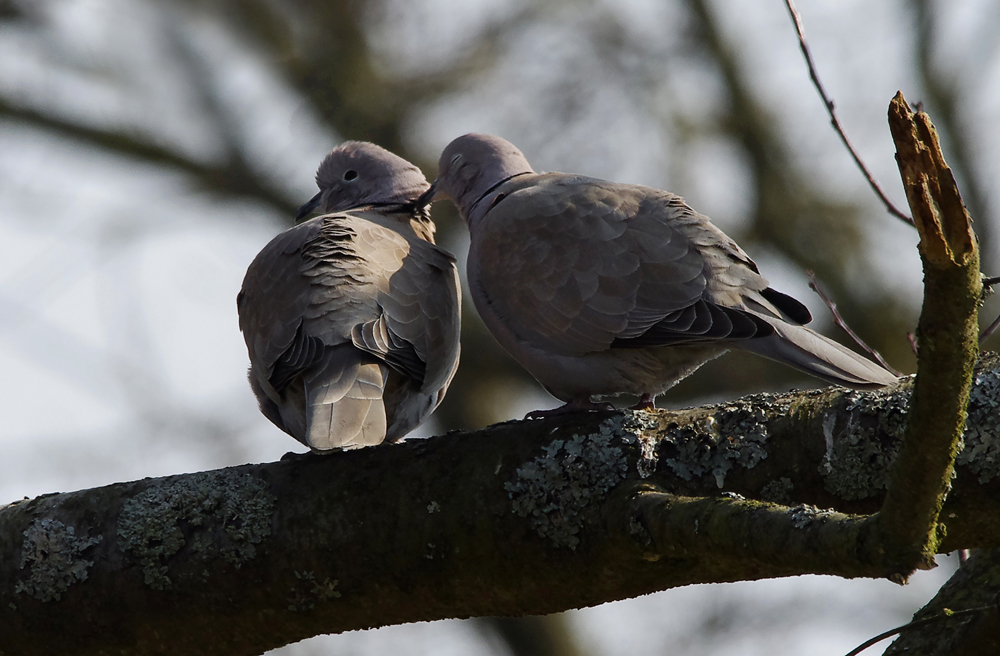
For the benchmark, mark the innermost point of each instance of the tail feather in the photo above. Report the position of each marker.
(811, 353)
(344, 406)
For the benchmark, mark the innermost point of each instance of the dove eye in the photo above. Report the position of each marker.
(350, 174)
(456, 158)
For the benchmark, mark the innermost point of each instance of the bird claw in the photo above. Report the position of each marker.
(571, 407)
(645, 403)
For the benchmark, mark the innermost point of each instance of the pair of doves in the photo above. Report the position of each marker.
(596, 288)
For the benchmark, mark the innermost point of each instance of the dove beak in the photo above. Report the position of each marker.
(308, 208)
(431, 195)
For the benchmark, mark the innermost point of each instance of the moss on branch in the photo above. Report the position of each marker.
(948, 342)
(521, 518)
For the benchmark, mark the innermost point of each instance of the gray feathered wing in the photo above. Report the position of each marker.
(597, 267)
(417, 332)
(601, 265)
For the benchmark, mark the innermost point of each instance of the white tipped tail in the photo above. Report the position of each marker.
(344, 407)
(809, 352)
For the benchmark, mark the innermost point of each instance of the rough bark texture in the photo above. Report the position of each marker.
(975, 585)
(521, 518)
(948, 341)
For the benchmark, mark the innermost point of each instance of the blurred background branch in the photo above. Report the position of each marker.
(831, 110)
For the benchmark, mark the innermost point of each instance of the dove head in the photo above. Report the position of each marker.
(474, 165)
(358, 173)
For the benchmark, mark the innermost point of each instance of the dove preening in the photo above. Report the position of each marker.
(351, 319)
(599, 288)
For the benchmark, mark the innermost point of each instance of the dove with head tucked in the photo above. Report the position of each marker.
(599, 288)
(352, 318)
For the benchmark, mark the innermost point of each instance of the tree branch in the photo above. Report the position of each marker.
(975, 585)
(947, 336)
(521, 518)
(814, 232)
(834, 121)
(803, 538)
(231, 179)
(946, 616)
(842, 324)
(943, 91)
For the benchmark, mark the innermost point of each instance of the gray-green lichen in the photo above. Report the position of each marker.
(53, 555)
(553, 489)
(223, 513)
(736, 434)
(308, 591)
(805, 514)
(862, 443)
(982, 427)
(633, 431)
(778, 491)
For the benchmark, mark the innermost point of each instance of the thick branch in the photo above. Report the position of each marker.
(521, 518)
(734, 529)
(947, 339)
(975, 585)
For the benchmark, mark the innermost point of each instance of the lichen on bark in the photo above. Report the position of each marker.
(221, 513)
(53, 556)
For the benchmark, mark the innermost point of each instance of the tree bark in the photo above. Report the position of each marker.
(975, 585)
(948, 341)
(522, 518)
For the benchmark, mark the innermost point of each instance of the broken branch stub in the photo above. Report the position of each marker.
(947, 343)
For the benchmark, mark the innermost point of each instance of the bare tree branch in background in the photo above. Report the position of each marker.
(229, 179)
(538, 635)
(988, 332)
(839, 320)
(828, 103)
(945, 100)
(791, 214)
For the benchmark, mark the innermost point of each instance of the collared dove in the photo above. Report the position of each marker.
(352, 319)
(599, 288)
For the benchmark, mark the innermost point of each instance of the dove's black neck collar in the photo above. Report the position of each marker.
(489, 191)
(409, 207)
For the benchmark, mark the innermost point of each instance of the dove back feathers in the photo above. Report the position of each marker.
(600, 288)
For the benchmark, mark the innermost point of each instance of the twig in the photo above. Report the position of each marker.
(986, 334)
(945, 615)
(839, 320)
(797, 19)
